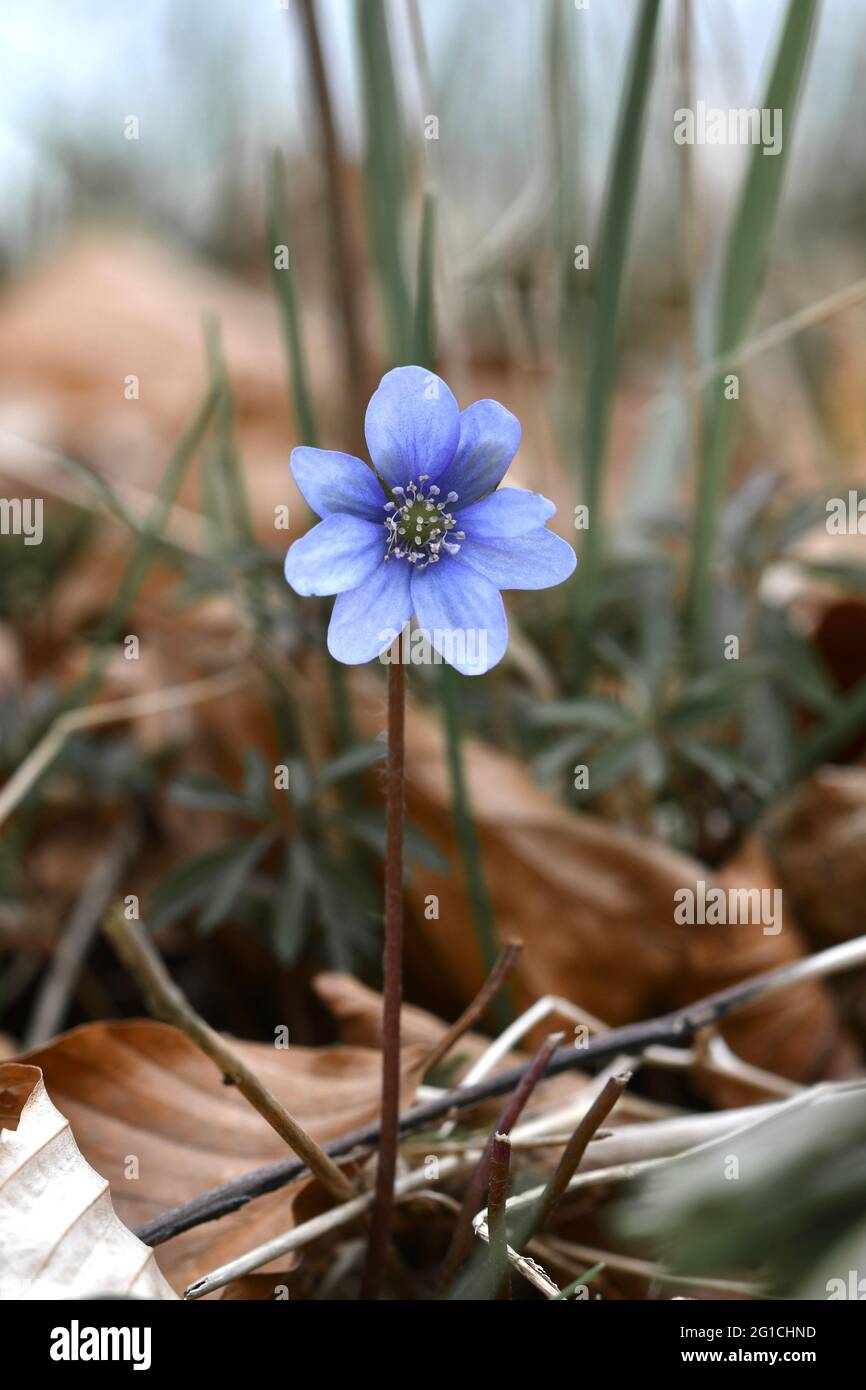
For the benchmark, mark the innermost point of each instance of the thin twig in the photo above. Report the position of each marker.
(59, 980)
(299, 1236)
(461, 1239)
(578, 1144)
(351, 338)
(497, 1196)
(167, 1002)
(633, 1038)
(449, 1167)
(500, 972)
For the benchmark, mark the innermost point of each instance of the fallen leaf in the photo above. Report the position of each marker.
(593, 905)
(817, 839)
(151, 1113)
(795, 1032)
(60, 1234)
(357, 1011)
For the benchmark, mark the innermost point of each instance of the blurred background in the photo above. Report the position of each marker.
(221, 224)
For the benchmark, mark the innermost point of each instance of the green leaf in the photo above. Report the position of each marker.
(549, 766)
(590, 712)
(291, 901)
(300, 788)
(368, 828)
(800, 671)
(187, 886)
(614, 763)
(357, 759)
(715, 696)
(201, 792)
(724, 767)
(229, 883)
(258, 785)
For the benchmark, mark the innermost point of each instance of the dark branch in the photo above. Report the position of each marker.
(633, 1039)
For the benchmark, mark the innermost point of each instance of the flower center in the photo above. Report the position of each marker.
(419, 526)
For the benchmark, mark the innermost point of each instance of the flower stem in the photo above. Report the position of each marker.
(392, 990)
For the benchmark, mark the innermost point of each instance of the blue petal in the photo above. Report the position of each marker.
(367, 620)
(535, 560)
(340, 553)
(506, 512)
(461, 614)
(489, 437)
(412, 426)
(332, 482)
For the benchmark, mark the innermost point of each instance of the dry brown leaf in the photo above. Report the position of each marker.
(59, 1232)
(109, 299)
(817, 839)
(795, 1032)
(141, 1091)
(357, 1011)
(594, 906)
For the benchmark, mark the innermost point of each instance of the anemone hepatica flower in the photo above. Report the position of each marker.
(429, 533)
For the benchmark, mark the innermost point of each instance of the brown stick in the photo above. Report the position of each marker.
(392, 987)
(577, 1145)
(165, 1001)
(463, 1235)
(494, 982)
(497, 1196)
(673, 1028)
(351, 336)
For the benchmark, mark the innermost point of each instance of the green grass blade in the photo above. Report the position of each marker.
(290, 317)
(613, 242)
(302, 396)
(146, 546)
(234, 516)
(424, 333)
(384, 173)
(468, 843)
(747, 252)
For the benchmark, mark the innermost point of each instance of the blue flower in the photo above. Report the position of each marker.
(429, 532)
